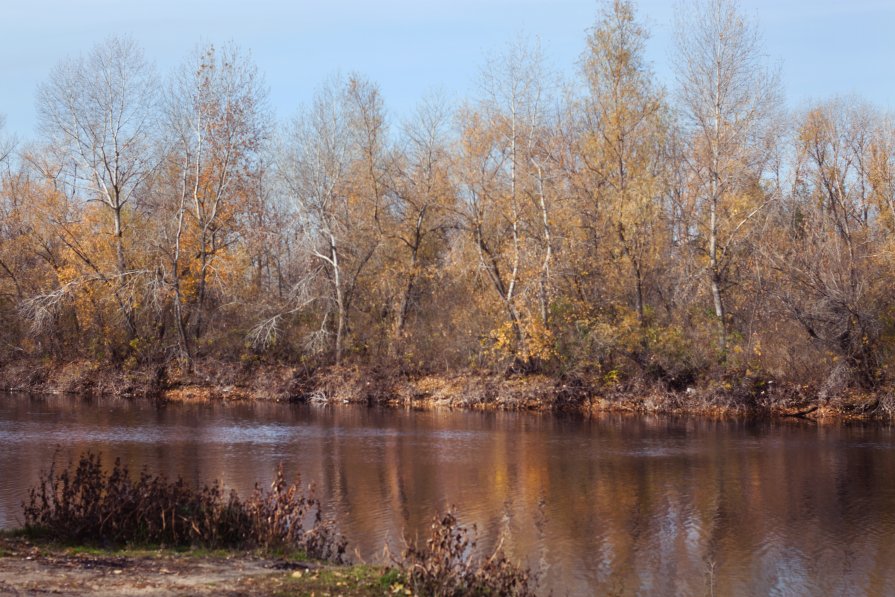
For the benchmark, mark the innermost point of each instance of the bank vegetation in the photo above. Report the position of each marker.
(90, 508)
(607, 234)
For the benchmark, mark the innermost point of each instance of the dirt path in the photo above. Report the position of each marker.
(26, 569)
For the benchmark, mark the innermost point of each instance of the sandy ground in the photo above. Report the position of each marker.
(26, 569)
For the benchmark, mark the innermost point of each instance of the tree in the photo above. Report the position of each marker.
(331, 170)
(622, 146)
(424, 201)
(6, 145)
(99, 111)
(830, 257)
(504, 184)
(728, 99)
(218, 126)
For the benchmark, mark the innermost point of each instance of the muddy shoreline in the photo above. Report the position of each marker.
(31, 567)
(470, 390)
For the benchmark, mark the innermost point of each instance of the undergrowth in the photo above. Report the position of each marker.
(83, 503)
(86, 505)
(447, 565)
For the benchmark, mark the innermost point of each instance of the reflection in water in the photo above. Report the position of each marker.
(631, 506)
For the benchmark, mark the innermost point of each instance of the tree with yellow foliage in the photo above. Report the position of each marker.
(622, 144)
(505, 198)
(217, 129)
(728, 99)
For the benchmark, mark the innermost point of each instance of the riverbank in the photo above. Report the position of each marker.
(27, 567)
(219, 545)
(220, 381)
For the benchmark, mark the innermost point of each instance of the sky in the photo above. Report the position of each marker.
(412, 48)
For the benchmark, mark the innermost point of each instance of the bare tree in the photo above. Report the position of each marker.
(830, 256)
(339, 219)
(99, 111)
(6, 145)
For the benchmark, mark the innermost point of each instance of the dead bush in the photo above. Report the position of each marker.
(447, 565)
(83, 503)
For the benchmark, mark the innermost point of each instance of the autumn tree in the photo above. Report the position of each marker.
(57, 256)
(507, 199)
(217, 125)
(622, 146)
(99, 115)
(18, 267)
(727, 98)
(880, 165)
(423, 204)
(331, 170)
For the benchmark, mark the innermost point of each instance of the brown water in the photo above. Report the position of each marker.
(629, 506)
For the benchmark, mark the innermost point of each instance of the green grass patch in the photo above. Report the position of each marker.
(350, 581)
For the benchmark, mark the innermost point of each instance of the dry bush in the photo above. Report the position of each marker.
(446, 565)
(85, 504)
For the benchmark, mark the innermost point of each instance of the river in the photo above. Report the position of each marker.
(612, 505)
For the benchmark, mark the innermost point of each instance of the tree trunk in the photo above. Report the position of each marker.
(341, 319)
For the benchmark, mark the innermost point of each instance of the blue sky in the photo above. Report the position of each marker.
(412, 47)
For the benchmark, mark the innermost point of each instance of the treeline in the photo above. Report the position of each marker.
(605, 227)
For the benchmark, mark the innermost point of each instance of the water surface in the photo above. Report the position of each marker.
(618, 505)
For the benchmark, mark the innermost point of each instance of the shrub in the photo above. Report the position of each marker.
(446, 566)
(85, 504)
